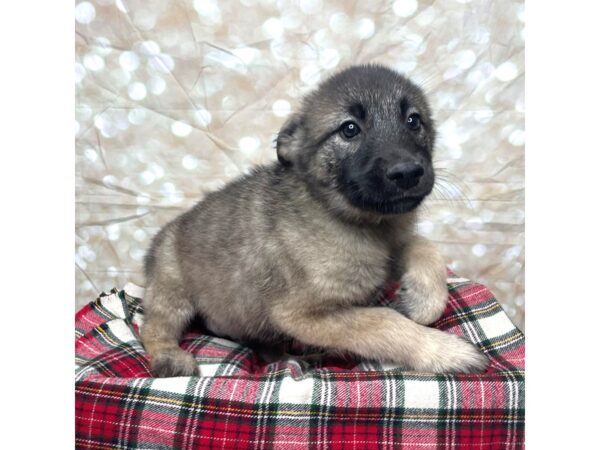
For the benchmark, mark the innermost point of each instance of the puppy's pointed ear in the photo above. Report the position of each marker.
(288, 140)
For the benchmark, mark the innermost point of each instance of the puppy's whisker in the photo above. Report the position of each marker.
(454, 192)
(454, 183)
(439, 193)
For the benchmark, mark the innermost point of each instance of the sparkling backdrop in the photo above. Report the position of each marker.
(174, 99)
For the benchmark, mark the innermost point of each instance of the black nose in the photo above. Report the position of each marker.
(406, 174)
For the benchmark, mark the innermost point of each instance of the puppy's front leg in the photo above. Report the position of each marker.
(423, 293)
(379, 333)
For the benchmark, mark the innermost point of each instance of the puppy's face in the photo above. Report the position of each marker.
(364, 139)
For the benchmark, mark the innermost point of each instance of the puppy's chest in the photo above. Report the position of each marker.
(347, 266)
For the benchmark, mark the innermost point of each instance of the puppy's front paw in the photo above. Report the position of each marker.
(423, 296)
(449, 353)
(175, 363)
(464, 357)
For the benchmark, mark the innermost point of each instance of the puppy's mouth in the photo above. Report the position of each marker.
(392, 205)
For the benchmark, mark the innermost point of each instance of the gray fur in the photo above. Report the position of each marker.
(300, 248)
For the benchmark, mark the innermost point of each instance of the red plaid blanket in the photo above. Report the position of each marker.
(241, 402)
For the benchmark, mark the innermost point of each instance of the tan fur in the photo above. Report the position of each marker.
(424, 277)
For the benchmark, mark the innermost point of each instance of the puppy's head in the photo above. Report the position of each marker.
(363, 141)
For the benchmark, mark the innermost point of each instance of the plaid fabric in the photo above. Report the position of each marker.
(241, 402)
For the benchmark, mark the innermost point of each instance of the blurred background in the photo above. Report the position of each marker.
(176, 98)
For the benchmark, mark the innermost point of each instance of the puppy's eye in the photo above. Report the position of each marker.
(413, 122)
(349, 130)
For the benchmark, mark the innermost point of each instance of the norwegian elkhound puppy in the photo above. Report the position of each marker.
(300, 248)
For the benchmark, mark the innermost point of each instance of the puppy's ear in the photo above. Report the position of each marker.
(288, 140)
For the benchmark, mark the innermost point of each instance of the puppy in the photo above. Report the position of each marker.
(300, 248)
